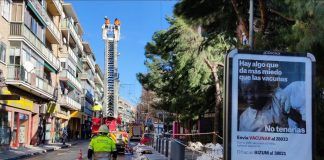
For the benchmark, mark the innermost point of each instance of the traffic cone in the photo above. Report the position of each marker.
(80, 155)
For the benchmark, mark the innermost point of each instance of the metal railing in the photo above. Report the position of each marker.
(58, 6)
(98, 80)
(19, 29)
(47, 19)
(16, 72)
(66, 100)
(66, 24)
(66, 74)
(90, 61)
(73, 55)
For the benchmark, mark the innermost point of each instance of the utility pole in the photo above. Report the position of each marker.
(251, 25)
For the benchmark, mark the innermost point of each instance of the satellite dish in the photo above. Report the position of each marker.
(28, 66)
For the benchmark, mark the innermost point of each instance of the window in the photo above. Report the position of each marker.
(14, 56)
(2, 52)
(6, 9)
(63, 65)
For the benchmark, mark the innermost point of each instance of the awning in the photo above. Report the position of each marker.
(71, 85)
(76, 114)
(49, 67)
(62, 116)
(32, 7)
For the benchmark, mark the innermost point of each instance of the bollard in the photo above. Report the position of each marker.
(178, 151)
(166, 150)
(162, 146)
(156, 144)
(159, 148)
(169, 149)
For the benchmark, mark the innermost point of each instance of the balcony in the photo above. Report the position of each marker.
(66, 25)
(30, 82)
(55, 34)
(90, 61)
(55, 7)
(68, 51)
(65, 75)
(69, 103)
(98, 80)
(18, 31)
(87, 77)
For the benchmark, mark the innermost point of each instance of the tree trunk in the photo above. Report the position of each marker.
(241, 20)
(214, 69)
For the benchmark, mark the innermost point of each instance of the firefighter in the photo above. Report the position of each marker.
(102, 147)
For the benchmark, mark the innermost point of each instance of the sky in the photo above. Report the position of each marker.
(139, 21)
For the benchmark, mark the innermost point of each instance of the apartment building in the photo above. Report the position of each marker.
(99, 92)
(87, 81)
(126, 111)
(71, 70)
(31, 39)
(44, 60)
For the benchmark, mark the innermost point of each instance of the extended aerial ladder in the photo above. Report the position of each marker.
(108, 115)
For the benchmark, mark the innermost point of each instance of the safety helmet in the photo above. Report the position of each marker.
(103, 129)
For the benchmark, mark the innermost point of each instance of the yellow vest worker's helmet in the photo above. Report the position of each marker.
(103, 129)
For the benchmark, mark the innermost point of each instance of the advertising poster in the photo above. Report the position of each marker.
(271, 107)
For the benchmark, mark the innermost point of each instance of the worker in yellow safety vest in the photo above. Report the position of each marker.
(102, 147)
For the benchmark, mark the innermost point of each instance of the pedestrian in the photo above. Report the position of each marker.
(102, 147)
(64, 135)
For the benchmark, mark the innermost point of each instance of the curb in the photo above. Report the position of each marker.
(28, 155)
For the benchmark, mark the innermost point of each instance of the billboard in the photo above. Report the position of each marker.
(268, 106)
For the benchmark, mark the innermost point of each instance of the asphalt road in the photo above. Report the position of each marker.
(71, 153)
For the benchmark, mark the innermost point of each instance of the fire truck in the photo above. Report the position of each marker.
(105, 111)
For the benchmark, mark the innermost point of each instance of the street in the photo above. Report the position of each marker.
(71, 153)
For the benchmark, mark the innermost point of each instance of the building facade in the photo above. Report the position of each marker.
(126, 112)
(44, 61)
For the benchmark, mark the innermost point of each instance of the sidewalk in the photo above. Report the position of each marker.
(25, 152)
(147, 152)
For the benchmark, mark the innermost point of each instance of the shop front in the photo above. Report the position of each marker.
(16, 123)
(74, 125)
(61, 117)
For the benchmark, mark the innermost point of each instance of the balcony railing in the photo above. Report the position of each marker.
(58, 6)
(98, 80)
(73, 55)
(48, 20)
(90, 61)
(20, 74)
(66, 74)
(69, 102)
(66, 24)
(19, 29)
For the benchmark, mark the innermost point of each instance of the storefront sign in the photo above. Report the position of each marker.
(268, 106)
(22, 103)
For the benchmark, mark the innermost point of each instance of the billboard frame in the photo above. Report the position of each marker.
(227, 105)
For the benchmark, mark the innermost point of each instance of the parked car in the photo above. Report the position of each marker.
(147, 138)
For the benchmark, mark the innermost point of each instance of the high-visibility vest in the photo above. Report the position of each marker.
(102, 147)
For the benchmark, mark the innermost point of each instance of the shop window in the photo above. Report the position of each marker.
(5, 130)
(6, 9)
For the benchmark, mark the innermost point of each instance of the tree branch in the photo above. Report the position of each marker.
(262, 9)
(240, 18)
(281, 15)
